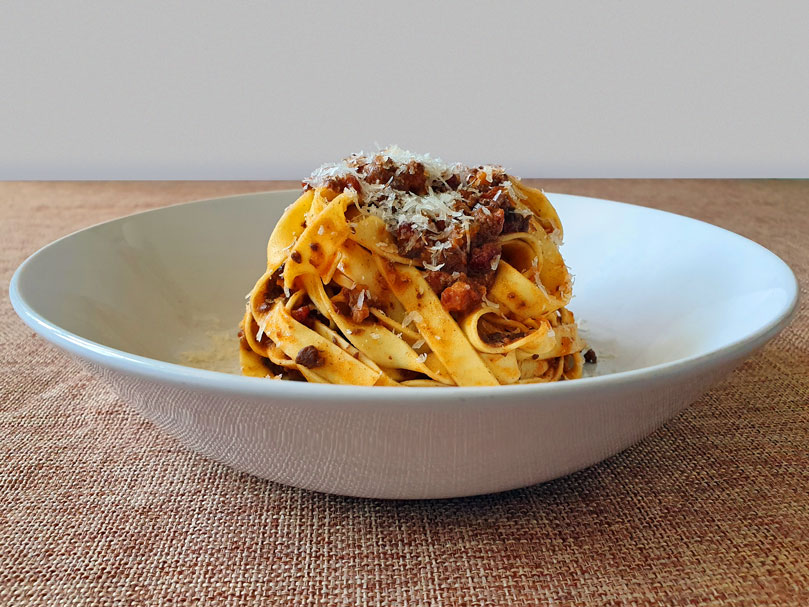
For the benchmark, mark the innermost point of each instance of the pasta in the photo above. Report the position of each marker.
(398, 269)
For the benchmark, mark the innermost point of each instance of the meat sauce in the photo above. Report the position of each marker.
(460, 258)
(310, 357)
(467, 265)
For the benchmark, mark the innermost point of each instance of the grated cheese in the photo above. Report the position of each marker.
(410, 317)
(261, 328)
(437, 218)
(490, 303)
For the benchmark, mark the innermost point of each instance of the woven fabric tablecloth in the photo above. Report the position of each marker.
(98, 507)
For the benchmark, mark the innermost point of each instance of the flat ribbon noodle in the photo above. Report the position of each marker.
(338, 367)
(372, 233)
(328, 253)
(317, 245)
(287, 230)
(519, 295)
(436, 326)
(377, 342)
(540, 339)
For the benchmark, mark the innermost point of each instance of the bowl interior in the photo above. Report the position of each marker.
(170, 284)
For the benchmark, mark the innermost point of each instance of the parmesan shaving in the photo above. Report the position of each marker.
(490, 303)
(535, 268)
(513, 192)
(411, 317)
(418, 344)
(261, 328)
(422, 358)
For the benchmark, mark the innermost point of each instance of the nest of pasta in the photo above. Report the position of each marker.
(398, 269)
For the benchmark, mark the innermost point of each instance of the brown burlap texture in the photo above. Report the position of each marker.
(100, 508)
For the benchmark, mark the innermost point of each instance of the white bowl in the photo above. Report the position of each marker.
(669, 303)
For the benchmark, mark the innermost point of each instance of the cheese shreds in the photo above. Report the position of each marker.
(410, 317)
(439, 212)
(490, 303)
(261, 329)
(445, 249)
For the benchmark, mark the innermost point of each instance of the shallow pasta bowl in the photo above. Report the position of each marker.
(670, 304)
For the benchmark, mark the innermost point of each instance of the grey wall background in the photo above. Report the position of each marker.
(209, 90)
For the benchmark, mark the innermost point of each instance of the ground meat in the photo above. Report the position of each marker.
(454, 257)
(479, 177)
(273, 289)
(408, 241)
(304, 316)
(379, 170)
(347, 304)
(514, 222)
(483, 258)
(470, 196)
(439, 280)
(484, 280)
(462, 297)
(310, 357)
(359, 312)
(496, 197)
(488, 223)
(590, 356)
(338, 184)
(454, 181)
(342, 307)
(413, 179)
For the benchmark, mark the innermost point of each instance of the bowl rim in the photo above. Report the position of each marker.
(190, 377)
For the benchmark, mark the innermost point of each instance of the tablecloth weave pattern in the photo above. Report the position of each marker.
(98, 507)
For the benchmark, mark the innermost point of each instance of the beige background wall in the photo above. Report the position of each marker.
(173, 89)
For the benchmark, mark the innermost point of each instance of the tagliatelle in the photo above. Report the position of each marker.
(397, 269)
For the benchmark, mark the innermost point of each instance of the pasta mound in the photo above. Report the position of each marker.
(395, 268)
